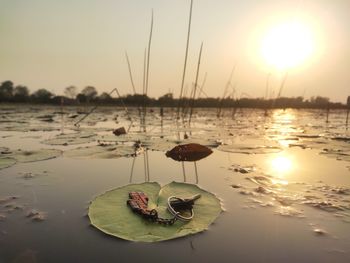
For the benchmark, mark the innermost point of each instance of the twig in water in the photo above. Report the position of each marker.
(132, 168)
(196, 172)
(96, 106)
(144, 165)
(147, 165)
(183, 171)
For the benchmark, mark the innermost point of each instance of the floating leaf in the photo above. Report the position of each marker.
(102, 151)
(249, 149)
(189, 152)
(158, 144)
(339, 154)
(3, 150)
(36, 215)
(213, 143)
(71, 139)
(4, 200)
(24, 156)
(6, 162)
(110, 214)
(119, 131)
(2, 217)
(122, 138)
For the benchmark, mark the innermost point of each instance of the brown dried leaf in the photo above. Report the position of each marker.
(189, 152)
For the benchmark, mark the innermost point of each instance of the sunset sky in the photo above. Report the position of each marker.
(53, 44)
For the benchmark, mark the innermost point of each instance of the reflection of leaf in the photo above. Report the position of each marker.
(109, 212)
(6, 162)
(189, 152)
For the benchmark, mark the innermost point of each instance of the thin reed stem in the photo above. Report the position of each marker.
(185, 62)
(195, 84)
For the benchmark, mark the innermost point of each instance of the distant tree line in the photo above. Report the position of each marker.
(20, 94)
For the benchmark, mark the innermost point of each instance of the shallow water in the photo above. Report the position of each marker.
(284, 180)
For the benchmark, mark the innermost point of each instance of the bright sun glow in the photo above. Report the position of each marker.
(281, 164)
(287, 45)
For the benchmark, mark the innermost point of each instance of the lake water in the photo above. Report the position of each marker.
(283, 178)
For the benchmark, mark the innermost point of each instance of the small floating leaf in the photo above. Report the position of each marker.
(6, 162)
(189, 152)
(110, 214)
(24, 156)
(119, 131)
(36, 215)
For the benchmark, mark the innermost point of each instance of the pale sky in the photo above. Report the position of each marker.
(56, 43)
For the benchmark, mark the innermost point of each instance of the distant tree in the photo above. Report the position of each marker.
(321, 101)
(20, 93)
(6, 91)
(105, 97)
(42, 95)
(89, 92)
(167, 99)
(348, 102)
(71, 92)
(81, 98)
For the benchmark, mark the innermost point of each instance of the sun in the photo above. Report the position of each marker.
(287, 45)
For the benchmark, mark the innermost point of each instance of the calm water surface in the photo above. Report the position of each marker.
(284, 180)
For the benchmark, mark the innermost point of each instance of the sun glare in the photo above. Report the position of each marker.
(281, 164)
(287, 45)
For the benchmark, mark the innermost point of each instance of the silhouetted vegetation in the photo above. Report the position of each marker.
(20, 94)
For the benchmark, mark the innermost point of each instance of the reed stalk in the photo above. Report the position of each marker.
(130, 73)
(146, 70)
(195, 84)
(185, 62)
(228, 84)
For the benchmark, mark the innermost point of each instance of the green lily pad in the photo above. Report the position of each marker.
(102, 151)
(110, 213)
(24, 156)
(6, 162)
(71, 139)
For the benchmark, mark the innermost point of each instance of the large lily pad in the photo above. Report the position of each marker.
(110, 214)
(6, 162)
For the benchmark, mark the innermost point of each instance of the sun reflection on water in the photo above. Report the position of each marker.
(281, 164)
